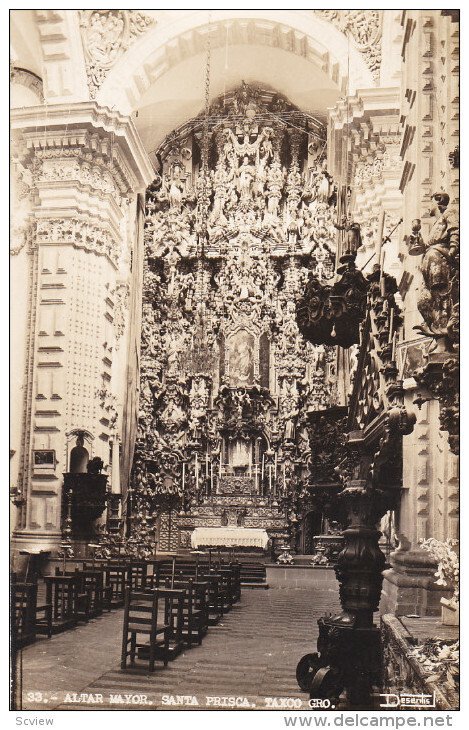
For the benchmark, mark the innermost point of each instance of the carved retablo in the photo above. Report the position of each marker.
(227, 379)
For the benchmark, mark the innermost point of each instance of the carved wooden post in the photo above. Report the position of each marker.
(369, 468)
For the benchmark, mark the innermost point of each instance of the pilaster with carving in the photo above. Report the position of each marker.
(83, 167)
(430, 290)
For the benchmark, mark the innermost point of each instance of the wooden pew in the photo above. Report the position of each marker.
(195, 610)
(141, 629)
(61, 595)
(115, 578)
(89, 592)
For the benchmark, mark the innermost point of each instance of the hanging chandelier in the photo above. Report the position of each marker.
(200, 357)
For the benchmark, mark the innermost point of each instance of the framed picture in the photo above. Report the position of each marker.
(412, 355)
(44, 459)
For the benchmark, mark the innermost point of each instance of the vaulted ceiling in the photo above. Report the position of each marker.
(178, 95)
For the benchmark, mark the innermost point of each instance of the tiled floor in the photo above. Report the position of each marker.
(250, 656)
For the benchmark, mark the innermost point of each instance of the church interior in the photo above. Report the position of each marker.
(234, 264)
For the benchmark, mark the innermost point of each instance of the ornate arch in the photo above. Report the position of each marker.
(163, 46)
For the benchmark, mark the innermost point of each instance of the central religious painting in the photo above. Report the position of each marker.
(241, 212)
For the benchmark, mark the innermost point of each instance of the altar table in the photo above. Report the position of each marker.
(230, 537)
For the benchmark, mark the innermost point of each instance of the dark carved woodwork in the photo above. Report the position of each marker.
(87, 497)
(454, 158)
(331, 315)
(360, 563)
(113, 517)
(243, 411)
(440, 377)
(326, 431)
(365, 459)
(236, 485)
(353, 663)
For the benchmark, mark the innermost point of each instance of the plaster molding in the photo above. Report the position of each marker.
(364, 28)
(28, 79)
(101, 130)
(64, 67)
(106, 35)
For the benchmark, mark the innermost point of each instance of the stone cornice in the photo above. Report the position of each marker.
(41, 122)
(369, 102)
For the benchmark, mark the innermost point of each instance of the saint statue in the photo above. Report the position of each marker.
(176, 189)
(353, 237)
(439, 267)
(247, 174)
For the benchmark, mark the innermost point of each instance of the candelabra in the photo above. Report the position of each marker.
(66, 551)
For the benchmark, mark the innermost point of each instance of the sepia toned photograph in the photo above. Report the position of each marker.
(234, 362)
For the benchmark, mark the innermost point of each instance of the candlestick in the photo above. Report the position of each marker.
(219, 467)
(391, 323)
(183, 475)
(196, 471)
(393, 355)
(270, 478)
(379, 240)
(284, 480)
(382, 283)
(262, 470)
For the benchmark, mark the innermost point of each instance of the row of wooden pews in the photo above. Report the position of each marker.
(58, 602)
(182, 597)
(181, 600)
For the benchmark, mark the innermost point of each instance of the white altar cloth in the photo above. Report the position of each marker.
(229, 537)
